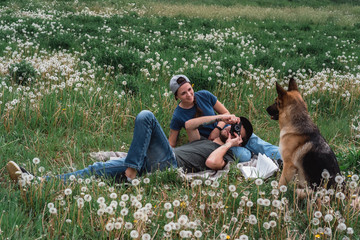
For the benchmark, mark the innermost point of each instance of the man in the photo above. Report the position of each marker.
(150, 150)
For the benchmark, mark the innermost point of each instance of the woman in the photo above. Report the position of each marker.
(203, 103)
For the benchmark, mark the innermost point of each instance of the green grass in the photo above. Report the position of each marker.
(99, 63)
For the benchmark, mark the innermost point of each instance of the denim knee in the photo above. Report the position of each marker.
(145, 115)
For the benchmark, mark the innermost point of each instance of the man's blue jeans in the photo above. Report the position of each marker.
(256, 145)
(149, 151)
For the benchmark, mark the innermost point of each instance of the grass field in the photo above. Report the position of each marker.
(74, 74)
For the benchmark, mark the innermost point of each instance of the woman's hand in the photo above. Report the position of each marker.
(230, 119)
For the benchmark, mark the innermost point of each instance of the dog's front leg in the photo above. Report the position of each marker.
(287, 174)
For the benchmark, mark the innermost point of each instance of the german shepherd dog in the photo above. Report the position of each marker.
(303, 150)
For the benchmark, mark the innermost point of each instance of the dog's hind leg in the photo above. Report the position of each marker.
(287, 174)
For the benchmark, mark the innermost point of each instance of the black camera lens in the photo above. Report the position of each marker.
(235, 128)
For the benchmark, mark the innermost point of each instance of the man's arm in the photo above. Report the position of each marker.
(193, 124)
(215, 160)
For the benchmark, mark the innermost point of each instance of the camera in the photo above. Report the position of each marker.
(235, 128)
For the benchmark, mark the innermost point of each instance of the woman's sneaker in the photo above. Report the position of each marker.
(18, 173)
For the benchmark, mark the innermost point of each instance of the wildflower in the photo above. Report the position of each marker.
(129, 225)
(146, 180)
(68, 191)
(36, 161)
(266, 225)
(232, 188)
(101, 200)
(134, 234)
(223, 236)
(259, 181)
(198, 234)
(87, 198)
(113, 195)
(183, 219)
(317, 236)
(327, 231)
(272, 223)
(274, 184)
(349, 231)
(125, 197)
(146, 236)
(117, 225)
(167, 206)
(169, 215)
(53, 210)
(243, 237)
(328, 218)
(124, 211)
(176, 203)
(353, 184)
(283, 188)
(317, 214)
(341, 227)
(135, 182)
(354, 177)
(109, 226)
(276, 203)
(315, 221)
(325, 174)
(339, 179)
(167, 227)
(249, 204)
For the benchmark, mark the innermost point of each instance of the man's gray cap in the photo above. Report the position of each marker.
(174, 86)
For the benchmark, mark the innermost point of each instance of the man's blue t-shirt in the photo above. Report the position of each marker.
(205, 101)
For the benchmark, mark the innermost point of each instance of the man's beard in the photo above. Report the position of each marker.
(223, 138)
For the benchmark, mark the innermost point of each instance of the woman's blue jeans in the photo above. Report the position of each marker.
(256, 145)
(149, 151)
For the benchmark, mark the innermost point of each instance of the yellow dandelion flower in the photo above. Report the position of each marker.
(183, 204)
(349, 176)
(317, 236)
(227, 237)
(135, 221)
(192, 85)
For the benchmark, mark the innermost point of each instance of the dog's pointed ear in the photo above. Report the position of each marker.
(280, 90)
(292, 85)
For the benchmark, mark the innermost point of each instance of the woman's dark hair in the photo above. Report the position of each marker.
(198, 112)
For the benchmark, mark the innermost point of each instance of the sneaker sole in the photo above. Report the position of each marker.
(13, 170)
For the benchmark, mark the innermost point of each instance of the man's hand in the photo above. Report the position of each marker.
(234, 142)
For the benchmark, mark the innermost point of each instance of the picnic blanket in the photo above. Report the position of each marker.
(207, 174)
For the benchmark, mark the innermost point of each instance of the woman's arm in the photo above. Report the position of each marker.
(173, 137)
(220, 109)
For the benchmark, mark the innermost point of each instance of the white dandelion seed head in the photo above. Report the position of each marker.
(146, 180)
(109, 226)
(135, 182)
(341, 227)
(146, 236)
(134, 234)
(232, 188)
(317, 214)
(259, 181)
(328, 217)
(36, 160)
(113, 195)
(67, 191)
(283, 188)
(325, 174)
(339, 179)
(167, 206)
(266, 225)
